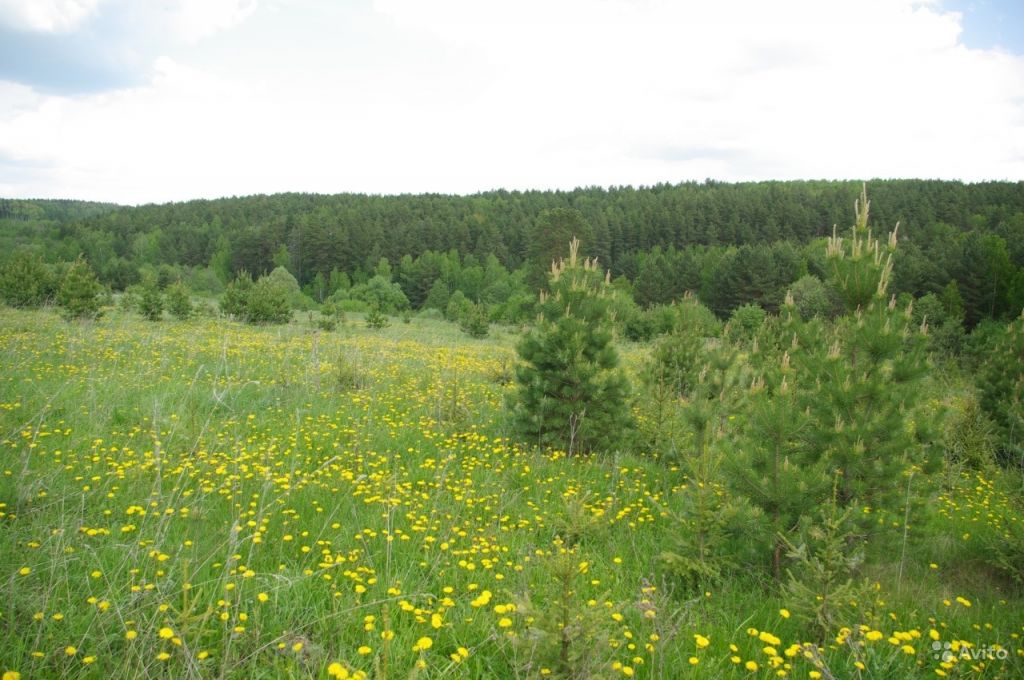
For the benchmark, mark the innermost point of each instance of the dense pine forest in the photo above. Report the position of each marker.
(730, 244)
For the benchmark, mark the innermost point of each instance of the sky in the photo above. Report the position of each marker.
(140, 101)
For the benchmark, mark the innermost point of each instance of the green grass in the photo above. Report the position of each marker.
(275, 499)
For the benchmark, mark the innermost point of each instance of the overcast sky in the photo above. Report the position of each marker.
(137, 101)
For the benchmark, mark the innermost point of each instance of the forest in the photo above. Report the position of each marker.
(729, 244)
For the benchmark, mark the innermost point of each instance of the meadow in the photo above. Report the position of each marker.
(206, 499)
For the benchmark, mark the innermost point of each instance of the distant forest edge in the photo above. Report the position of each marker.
(730, 244)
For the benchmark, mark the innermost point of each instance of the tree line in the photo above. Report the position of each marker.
(729, 244)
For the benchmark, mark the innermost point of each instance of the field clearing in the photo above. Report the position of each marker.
(207, 499)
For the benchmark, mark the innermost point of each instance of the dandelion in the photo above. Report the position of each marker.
(423, 644)
(165, 633)
(701, 641)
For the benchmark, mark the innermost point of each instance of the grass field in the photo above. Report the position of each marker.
(205, 499)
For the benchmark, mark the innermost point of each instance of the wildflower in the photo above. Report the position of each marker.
(702, 641)
(423, 644)
(166, 633)
(784, 613)
(336, 670)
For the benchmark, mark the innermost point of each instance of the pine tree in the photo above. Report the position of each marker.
(376, 319)
(26, 281)
(79, 294)
(151, 302)
(236, 295)
(1001, 384)
(267, 302)
(179, 303)
(572, 396)
(859, 376)
(474, 321)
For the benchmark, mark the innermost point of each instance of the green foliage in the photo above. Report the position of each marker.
(571, 394)
(811, 297)
(744, 322)
(378, 293)
(474, 321)
(944, 327)
(859, 377)
(179, 301)
(549, 235)
(236, 295)
(969, 436)
(151, 301)
(1001, 385)
(26, 282)
(267, 302)
(821, 585)
(376, 319)
(79, 295)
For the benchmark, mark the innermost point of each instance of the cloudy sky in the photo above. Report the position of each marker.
(137, 101)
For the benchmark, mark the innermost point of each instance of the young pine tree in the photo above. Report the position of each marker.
(859, 376)
(179, 303)
(236, 296)
(151, 300)
(572, 395)
(79, 293)
(26, 281)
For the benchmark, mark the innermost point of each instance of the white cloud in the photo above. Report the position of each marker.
(195, 19)
(463, 96)
(46, 16)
